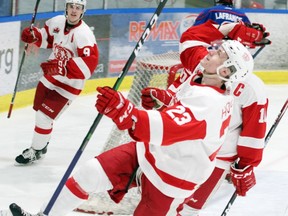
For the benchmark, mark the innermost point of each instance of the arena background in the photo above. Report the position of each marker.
(117, 32)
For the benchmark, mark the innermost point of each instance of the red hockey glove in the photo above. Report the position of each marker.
(156, 98)
(243, 179)
(54, 67)
(250, 35)
(113, 104)
(30, 36)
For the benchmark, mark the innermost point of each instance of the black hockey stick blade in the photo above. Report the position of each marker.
(99, 116)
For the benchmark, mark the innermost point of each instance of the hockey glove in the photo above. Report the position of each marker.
(260, 27)
(250, 35)
(54, 67)
(156, 98)
(113, 104)
(243, 179)
(30, 35)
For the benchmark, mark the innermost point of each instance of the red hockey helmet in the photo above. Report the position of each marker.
(224, 2)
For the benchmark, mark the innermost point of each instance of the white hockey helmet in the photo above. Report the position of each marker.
(240, 61)
(79, 2)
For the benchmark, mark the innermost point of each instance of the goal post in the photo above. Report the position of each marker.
(152, 71)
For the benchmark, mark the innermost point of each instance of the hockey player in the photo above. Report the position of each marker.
(175, 149)
(252, 4)
(243, 147)
(73, 59)
(221, 13)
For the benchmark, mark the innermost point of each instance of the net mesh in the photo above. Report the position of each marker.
(153, 71)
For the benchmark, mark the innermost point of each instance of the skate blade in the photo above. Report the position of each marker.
(32, 163)
(22, 165)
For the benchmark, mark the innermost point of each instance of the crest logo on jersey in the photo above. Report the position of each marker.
(62, 53)
(56, 30)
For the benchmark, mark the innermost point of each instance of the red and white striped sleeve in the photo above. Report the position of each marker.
(251, 140)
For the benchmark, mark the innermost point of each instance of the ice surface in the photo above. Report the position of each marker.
(30, 186)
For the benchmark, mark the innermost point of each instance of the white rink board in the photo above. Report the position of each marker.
(9, 55)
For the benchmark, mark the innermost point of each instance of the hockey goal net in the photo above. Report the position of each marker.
(153, 71)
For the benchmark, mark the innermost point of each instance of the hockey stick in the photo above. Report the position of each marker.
(280, 115)
(99, 116)
(22, 60)
(257, 52)
(267, 138)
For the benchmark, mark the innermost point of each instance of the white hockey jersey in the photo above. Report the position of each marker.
(78, 46)
(179, 144)
(248, 124)
(246, 136)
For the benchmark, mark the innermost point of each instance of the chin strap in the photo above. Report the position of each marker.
(209, 75)
(216, 75)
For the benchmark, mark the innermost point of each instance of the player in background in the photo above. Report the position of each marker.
(174, 149)
(73, 59)
(221, 13)
(243, 147)
(251, 4)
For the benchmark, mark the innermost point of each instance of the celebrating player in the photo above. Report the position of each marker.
(174, 149)
(73, 59)
(243, 147)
